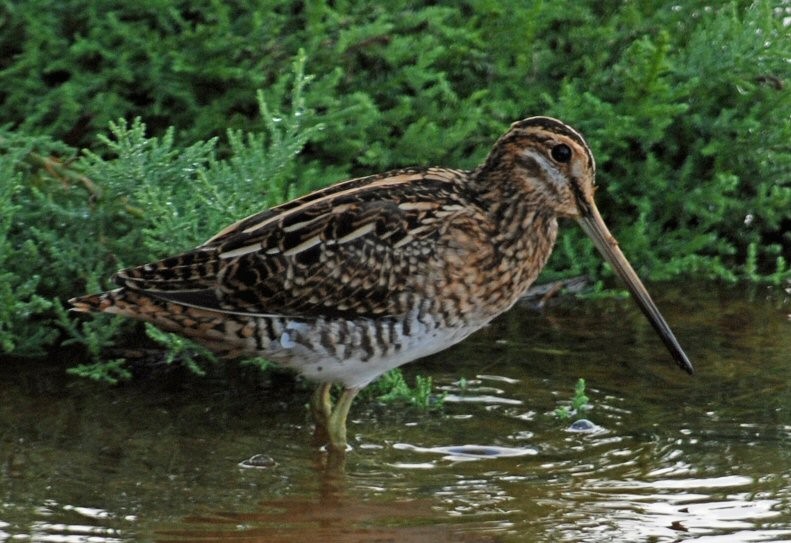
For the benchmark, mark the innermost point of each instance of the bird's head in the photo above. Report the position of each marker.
(556, 169)
(553, 161)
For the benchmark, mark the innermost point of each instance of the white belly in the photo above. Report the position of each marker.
(354, 353)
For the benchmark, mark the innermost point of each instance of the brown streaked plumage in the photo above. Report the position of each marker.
(350, 281)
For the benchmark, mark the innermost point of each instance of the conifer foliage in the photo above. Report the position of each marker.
(132, 130)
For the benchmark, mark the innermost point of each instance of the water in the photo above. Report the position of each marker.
(667, 458)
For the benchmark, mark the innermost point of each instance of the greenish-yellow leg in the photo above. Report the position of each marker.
(321, 403)
(331, 421)
(337, 422)
(321, 408)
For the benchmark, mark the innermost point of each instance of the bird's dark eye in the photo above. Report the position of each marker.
(561, 152)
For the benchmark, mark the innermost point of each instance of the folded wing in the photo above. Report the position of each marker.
(367, 247)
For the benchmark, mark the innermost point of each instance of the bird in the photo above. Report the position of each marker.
(350, 281)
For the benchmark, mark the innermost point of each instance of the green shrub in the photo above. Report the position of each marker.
(154, 199)
(21, 304)
(685, 105)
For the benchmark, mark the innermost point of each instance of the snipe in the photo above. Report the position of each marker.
(353, 280)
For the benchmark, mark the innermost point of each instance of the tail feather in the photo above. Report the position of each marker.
(122, 301)
(227, 336)
(94, 302)
(194, 270)
(132, 303)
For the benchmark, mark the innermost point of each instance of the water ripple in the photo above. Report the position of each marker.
(463, 453)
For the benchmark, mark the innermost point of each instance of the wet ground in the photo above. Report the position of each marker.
(669, 458)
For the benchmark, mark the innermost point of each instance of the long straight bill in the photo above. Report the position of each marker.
(593, 225)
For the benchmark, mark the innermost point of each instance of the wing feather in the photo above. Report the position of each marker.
(366, 247)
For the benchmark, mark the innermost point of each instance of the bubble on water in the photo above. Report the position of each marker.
(584, 426)
(258, 461)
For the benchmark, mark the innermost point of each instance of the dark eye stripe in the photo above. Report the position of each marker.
(580, 196)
